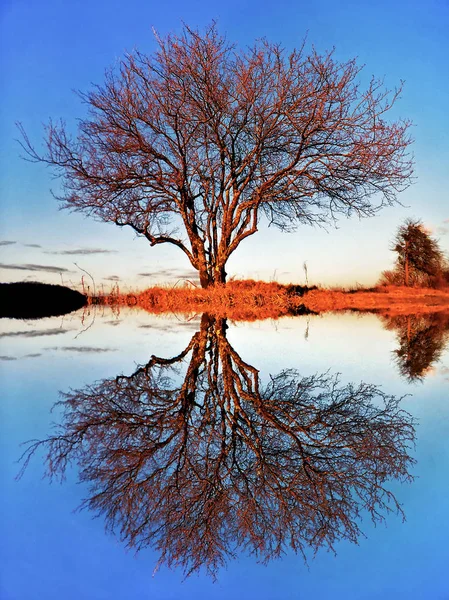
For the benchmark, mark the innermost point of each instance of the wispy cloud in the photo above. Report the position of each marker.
(155, 274)
(189, 325)
(442, 230)
(82, 349)
(187, 274)
(35, 355)
(445, 372)
(7, 243)
(172, 273)
(112, 278)
(33, 245)
(32, 333)
(31, 267)
(81, 251)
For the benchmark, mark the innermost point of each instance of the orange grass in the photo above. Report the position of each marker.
(240, 300)
(385, 299)
(251, 300)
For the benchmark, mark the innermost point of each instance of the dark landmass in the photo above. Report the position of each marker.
(34, 300)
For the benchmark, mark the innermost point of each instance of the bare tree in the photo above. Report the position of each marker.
(195, 457)
(193, 145)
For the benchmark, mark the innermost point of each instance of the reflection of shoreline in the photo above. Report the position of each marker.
(194, 456)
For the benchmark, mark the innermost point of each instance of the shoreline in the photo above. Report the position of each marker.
(387, 301)
(253, 300)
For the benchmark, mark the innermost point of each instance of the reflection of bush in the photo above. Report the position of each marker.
(422, 339)
(203, 464)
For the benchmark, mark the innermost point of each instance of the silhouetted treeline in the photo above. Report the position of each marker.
(34, 300)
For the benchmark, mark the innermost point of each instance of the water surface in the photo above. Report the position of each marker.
(217, 444)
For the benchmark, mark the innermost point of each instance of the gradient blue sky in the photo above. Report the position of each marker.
(50, 48)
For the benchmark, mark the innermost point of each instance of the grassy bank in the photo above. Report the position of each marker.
(390, 300)
(240, 300)
(251, 300)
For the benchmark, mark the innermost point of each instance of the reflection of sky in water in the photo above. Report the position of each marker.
(53, 553)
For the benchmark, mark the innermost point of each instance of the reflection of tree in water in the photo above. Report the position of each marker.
(422, 339)
(216, 462)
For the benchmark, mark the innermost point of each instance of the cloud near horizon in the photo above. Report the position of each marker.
(112, 278)
(35, 355)
(32, 333)
(442, 230)
(7, 243)
(189, 325)
(173, 273)
(31, 267)
(82, 349)
(81, 251)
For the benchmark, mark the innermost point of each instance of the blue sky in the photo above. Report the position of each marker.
(49, 48)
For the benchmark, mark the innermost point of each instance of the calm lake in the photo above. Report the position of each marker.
(223, 447)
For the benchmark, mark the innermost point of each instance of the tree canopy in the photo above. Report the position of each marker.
(420, 260)
(195, 144)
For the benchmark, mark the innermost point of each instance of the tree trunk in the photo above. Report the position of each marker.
(205, 280)
(216, 277)
(219, 274)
